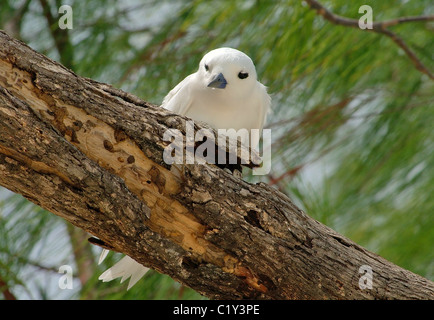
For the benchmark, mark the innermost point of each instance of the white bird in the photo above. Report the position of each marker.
(225, 94)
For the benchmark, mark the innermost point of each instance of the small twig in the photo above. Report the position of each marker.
(378, 27)
(400, 42)
(396, 21)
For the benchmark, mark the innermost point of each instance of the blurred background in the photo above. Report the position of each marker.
(352, 121)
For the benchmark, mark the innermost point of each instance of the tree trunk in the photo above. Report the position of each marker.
(93, 155)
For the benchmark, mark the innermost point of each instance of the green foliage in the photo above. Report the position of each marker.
(352, 117)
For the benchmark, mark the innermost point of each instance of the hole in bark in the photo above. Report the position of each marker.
(267, 282)
(108, 146)
(252, 218)
(189, 263)
(120, 135)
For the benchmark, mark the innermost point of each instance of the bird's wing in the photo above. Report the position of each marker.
(265, 101)
(179, 99)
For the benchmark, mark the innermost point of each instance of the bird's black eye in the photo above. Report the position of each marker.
(206, 67)
(243, 75)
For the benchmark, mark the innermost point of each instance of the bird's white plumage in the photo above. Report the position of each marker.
(239, 103)
(103, 255)
(125, 268)
(243, 103)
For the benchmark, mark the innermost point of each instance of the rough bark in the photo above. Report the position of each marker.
(92, 154)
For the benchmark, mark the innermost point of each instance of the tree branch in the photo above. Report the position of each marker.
(94, 156)
(60, 37)
(5, 291)
(394, 22)
(378, 27)
(13, 24)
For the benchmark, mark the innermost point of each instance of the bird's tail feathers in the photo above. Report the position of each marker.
(125, 268)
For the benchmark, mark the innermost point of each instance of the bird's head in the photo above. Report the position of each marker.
(227, 69)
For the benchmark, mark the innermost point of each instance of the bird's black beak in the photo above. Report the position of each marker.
(218, 82)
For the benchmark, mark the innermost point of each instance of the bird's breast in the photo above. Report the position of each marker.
(221, 113)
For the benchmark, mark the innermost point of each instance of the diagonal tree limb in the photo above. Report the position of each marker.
(378, 27)
(95, 157)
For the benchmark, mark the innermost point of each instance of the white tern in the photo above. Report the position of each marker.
(225, 94)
